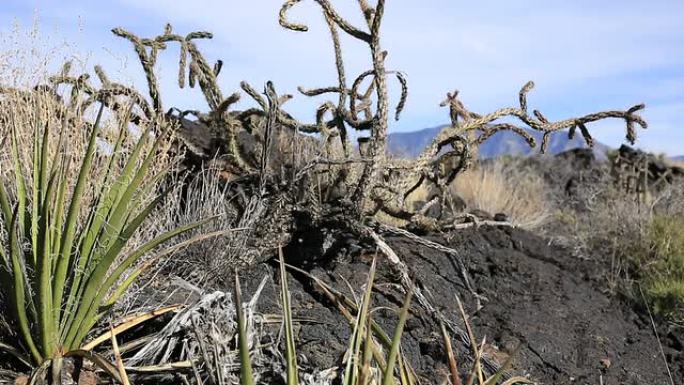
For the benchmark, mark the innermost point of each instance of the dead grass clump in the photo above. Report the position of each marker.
(202, 195)
(505, 187)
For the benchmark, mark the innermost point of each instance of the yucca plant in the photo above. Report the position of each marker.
(64, 253)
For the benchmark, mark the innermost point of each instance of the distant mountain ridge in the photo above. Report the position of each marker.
(411, 144)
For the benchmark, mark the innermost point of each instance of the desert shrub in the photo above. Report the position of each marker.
(505, 187)
(641, 241)
(663, 264)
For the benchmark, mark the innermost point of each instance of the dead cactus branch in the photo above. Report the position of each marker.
(199, 70)
(83, 94)
(456, 146)
(464, 121)
(344, 116)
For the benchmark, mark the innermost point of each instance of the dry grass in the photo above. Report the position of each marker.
(504, 187)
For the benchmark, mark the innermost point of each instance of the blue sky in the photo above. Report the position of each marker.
(584, 55)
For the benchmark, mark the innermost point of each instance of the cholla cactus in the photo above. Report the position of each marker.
(359, 180)
(385, 185)
(375, 121)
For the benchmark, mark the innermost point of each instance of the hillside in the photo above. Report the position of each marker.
(502, 143)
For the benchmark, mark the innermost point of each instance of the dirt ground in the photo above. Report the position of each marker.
(538, 296)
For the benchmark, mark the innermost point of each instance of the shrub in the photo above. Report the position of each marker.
(642, 240)
(664, 265)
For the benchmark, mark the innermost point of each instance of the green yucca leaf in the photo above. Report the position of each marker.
(98, 218)
(290, 349)
(246, 373)
(70, 225)
(131, 276)
(351, 372)
(101, 290)
(108, 199)
(40, 236)
(388, 377)
(5, 219)
(95, 287)
(19, 180)
(115, 213)
(20, 289)
(61, 164)
(58, 206)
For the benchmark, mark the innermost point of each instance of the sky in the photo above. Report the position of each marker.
(584, 55)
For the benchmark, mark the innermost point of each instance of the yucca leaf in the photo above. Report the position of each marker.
(118, 215)
(290, 349)
(20, 289)
(131, 277)
(86, 304)
(61, 164)
(58, 206)
(95, 233)
(123, 207)
(70, 225)
(44, 159)
(40, 237)
(108, 195)
(100, 291)
(388, 378)
(5, 220)
(21, 197)
(36, 192)
(246, 373)
(5, 223)
(99, 361)
(129, 323)
(353, 354)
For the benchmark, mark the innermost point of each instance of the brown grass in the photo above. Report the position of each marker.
(501, 187)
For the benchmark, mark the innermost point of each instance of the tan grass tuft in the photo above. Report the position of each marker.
(500, 187)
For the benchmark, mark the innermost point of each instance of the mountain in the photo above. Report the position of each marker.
(411, 144)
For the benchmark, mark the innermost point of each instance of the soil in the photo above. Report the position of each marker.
(553, 305)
